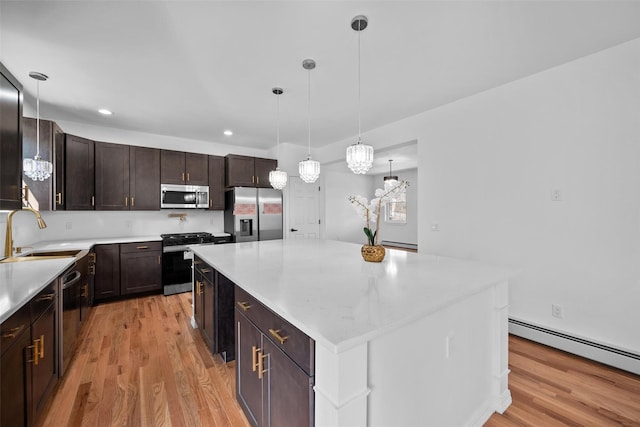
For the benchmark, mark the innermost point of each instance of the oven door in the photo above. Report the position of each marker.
(176, 270)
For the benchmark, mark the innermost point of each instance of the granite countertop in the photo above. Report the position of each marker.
(328, 291)
(21, 281)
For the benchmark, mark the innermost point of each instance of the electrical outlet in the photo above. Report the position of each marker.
(68, 226)
(556, 311)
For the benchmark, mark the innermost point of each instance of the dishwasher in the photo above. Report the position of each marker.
(72, 285)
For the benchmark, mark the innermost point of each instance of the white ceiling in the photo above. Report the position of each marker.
(194, 68)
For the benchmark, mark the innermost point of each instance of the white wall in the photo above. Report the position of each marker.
(488, 164)
(396, 232)
(340, 218)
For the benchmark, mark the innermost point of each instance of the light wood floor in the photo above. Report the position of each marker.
(141, 364)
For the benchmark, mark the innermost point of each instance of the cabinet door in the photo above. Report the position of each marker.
(208, 314)
(144, 178)
(112, 176)
(172, 167)
(289, 397)
(58, 168)
(40, 192)
(10, 141)
(248, 385)
(262, 169)
(239, 171)
(224, 300)
(79, 173)
(216, 183)
(197, 169)
(107, 268)
(45, 373)
(140, 271)
(15, 380)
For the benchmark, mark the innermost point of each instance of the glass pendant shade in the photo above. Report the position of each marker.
(309, 170)
(359, 158)
(36, 168)
(278, 179)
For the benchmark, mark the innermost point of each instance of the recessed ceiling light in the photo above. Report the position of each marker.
(228, 132)
(105, 112)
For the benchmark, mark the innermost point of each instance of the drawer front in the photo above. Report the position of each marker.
(205, 269)
(291, 340)
(14, 327)
(140, 247)
(42, 301)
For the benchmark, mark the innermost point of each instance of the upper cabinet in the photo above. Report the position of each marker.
(178, 167)
(245, 171)
(127, 177)
(79, 173)
(10, 141)
(216, 183)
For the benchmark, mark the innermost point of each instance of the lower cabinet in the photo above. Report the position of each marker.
(274, 367)
(127, 269)
(29, 360)
(213, 309)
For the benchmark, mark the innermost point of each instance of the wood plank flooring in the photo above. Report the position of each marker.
(140, 363)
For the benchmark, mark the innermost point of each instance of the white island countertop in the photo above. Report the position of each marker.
(328, 291)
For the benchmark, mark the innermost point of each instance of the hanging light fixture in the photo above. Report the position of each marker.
(278, 178)
(359, 156)
(309, 169)
(36, 168)
(390, 179)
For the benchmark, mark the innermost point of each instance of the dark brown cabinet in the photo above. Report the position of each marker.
(216, 183)
(107, 271)
(79, 173)
(127, 177)
(213, 309)
(59, 161)
(29, 360)
(44, 194)
(245, 171)
(10, 141)
(140, 267)
(274, 366)
(178, 167)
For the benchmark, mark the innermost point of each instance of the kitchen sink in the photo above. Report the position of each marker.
(40, 256)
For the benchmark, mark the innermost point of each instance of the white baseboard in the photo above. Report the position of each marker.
(599, 352)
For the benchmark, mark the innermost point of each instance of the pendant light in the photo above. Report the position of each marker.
(278, 178)
(359, 156)
(309, 169)
(390, 179)
(36, 168)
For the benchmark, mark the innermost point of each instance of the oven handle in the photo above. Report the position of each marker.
(71, 279)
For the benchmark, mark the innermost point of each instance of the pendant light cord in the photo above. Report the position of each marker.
(37, 118)
(278, 127)
(359, 84)
(309, 109)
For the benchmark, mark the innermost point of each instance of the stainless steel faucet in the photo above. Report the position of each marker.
(8, 239)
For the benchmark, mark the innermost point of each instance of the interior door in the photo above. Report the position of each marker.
(303, 210)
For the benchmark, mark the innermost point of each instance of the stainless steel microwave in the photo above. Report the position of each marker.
(184, 196)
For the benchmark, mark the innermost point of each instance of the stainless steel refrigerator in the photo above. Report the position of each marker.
(253, 214)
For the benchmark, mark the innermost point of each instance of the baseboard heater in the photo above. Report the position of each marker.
(390, 243)
(602, 353)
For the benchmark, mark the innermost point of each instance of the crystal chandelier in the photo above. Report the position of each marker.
(309, 169)
(359, 156)
(278, 178)
(390, 179)
(36, 168)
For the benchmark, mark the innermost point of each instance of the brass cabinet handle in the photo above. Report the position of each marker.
(182, 176)
(276, 334)
(252, 179)
(206, 270)
(92, 270)
(13, 332)
(197, 262)
(133, 199)
(142, 247)
(41, 347)
(47, 297)
(254, 358)
(93, 200)
(261, 369)
(159, 260)
(126, 201)
(244, 305)
(198, 287)
(34, 353)
(59, 198)
(210, 203)
(188, 177)
(257, 180)
(85, 291)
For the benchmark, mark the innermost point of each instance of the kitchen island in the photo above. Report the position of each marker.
(416, 340)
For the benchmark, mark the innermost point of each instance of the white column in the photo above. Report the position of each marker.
(500, 347)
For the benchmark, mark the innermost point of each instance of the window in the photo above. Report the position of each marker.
(396, 209)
